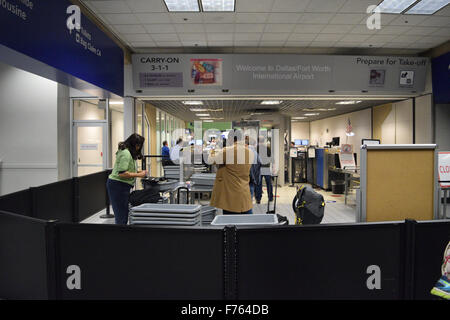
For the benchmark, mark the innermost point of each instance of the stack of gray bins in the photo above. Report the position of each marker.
(203, 179)
(208, 215)
(172, 172)
(166, 214)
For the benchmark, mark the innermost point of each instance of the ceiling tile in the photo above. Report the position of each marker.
(386, 18)
(325, 5)
(279, 27)
(297, 43)
(137, 37)
(355, 37)
(444, 32)
(346, 44)
(222, 17)
(271, 43)
(321, 44)
(316, 18)
(418, 45)
(220, 44)
(168, 37)
(408, 20)
(249, 27)
(290, 5)
(246, 43)
(432, 40)
(160, 28)
(251, 17)
(347, 18)
(129, 28)
(357, 6)
(283, 17)
(147, 18)
(406, 38)
(381, 38)
(121, 18)
(111, 6)
(192, 37)
(146, 6)
(328, 37)
(247, 36)
(194, 43)
(309, 28)
(218, 27)
(220, 37)
(274, 37)
(185, 17)
(435, 21)
(164, 44)
(362, 29)
(422, 30)
(143, 44)
(393, 30)
(338, 28)
(396, 44)
(301, 37)
(254, 5)
(189, 28)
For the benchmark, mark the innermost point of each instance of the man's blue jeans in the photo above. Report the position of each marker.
(258, 188)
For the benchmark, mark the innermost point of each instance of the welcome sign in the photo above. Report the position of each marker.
(39, 30)
(266, 74)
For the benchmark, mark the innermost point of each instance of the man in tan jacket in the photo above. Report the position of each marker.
(231, 190)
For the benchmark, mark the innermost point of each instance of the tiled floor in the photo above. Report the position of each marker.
(335, 209)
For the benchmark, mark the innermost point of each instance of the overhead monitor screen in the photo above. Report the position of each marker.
(305, 142)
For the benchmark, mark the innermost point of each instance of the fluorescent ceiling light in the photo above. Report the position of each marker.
(331, 109)
(192, 103)
(197, 110)
(348, 102)
(394, 6)
(208, 121)
(115, 103)
(428, 6)
(205, 118)
(202, 114)
(182, 5)
(218, 5)
(271, 102)
(350, 134)
(311, 114)
(298, 118)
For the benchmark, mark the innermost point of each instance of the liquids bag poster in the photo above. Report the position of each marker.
(206, 72)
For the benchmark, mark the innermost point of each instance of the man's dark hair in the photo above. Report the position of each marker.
(179, 140)
(131, 143)
(164, 143)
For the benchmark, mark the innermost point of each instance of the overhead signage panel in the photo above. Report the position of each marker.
(268, 74)
(40, 30)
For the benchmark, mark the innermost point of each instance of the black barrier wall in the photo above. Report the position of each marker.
(91, 195)
(359, 261)
(17, 202)
(54, 201)
(117, 262)
(26, 258)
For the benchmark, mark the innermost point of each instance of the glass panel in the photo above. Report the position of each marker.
(89, 150)
(89, 109)
(116, 132)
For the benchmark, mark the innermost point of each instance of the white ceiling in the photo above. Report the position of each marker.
(306, 26)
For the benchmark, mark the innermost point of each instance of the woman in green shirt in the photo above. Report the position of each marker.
(123, 176)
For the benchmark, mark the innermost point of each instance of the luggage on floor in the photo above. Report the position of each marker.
(282, 220)
(308, 205)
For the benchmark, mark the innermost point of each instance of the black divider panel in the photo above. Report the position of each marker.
(319, 262)
(23, 257)
(92, 194)
(54, 201)
(431, 239)
(123, 262)
(17, 202)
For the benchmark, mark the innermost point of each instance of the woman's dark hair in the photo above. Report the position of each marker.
(179, 140)
(131, 143)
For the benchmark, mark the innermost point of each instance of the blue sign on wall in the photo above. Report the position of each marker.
(39, 29)
(441, 78)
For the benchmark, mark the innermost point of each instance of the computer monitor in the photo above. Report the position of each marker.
(335, 141)
(305, 142)
(298, 142)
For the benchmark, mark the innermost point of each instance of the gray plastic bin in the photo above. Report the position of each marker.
(169, 208)
(245, 219)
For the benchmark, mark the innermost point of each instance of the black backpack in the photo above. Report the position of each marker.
(138, 197)
(308, 205)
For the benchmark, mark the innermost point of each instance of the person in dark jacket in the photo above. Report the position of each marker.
(255, 169)
(165, 152)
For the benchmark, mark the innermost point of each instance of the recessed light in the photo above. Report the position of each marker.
(202, 114)
(218, 5)
(111, 103)
(394, 6)
(208, 120)
(271, 102)
(182, 5)
(192, 103)
(331, 109)
(312, 114)
(428, 7)
(298, 118)
(349, 102)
